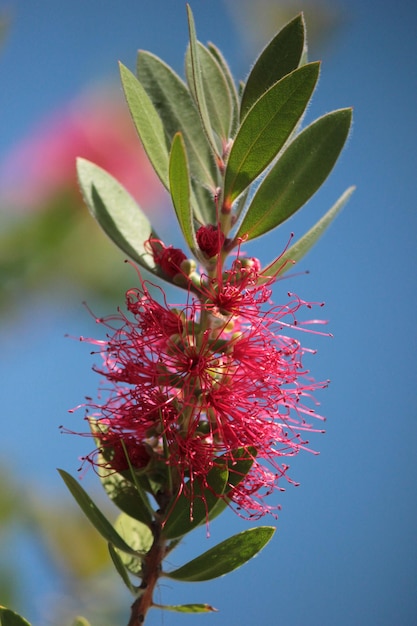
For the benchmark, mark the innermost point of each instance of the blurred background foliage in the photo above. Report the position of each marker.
(258, 21)
(47, 236)
(35, 528)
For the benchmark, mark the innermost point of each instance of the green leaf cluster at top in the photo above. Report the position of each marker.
(238, 159)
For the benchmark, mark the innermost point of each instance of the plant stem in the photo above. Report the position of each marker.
(151, 572)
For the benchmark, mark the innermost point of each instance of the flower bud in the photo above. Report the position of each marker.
(210, 239)
(168, 258)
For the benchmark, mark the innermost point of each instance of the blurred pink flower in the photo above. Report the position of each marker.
(96, 126)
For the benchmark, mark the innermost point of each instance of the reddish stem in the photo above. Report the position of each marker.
(151, 572)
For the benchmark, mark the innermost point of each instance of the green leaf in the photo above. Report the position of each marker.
(266, 128)
(138, 536)
(238, 470)
(216, 90)
(179, 182)
(231, 83)
(147, 122)
(95, 516)
(178, 113)
(204, 208)
(136, 478)
(117, 213)
(197, 87)
(298, 173)
(9, 618)
(297, 251)
(186, 608)
(280, 57)
(189, 511)
(120, 568)
(80, 621)
(129, 497)
(226, 556)
(240, 466)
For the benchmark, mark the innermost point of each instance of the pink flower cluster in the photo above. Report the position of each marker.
(95, 126)
(188, 384)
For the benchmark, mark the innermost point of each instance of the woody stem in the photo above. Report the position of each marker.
(151, 572)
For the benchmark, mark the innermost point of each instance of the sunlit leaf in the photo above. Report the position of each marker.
(298, 173)
(176, 109)
(226, 556)
(297, 251)
(231, 83)
(216, 90)
(197, 82)
(117, 213)
(178, 113)
(189, 511)
(94, 514)
(138, 536)
(180, 190)
(280, 57)
(266, 128)
(147, 122)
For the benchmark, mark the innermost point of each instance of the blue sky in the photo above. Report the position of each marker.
(345, 550)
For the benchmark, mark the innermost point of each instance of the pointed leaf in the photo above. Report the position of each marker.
(197, 82)
(266, 128)
(123, 488)
(147, 122)
(298, 173)
(231, 83)
(240, 203)
(238, 470)
(204, 208)
(95, 516)
(186, 608)
(240, 466)
(126, 495)
(189, 511)
(179, 182)
(216, 90)
(9, 618)
(120, 568)
(117, 213)
(226, 556)
(280, 57)
(296, 252)
(178, 113)
(138, 536)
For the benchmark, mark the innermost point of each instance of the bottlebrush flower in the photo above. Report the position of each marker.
(189, 384)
